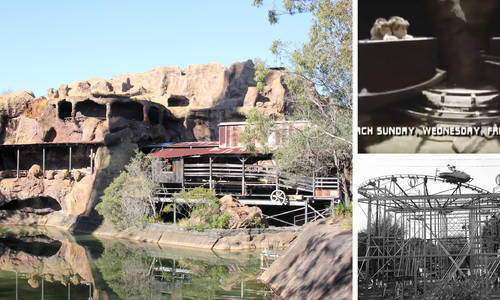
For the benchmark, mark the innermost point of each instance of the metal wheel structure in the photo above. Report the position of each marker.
(279, 196)
(422, 232)
(458, 106)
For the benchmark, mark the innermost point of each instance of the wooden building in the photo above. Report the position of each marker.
(227, 168)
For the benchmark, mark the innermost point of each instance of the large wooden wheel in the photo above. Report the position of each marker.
(278, 196)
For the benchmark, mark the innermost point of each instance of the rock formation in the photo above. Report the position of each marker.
(242, 216)
(318, 264)
(100, 122)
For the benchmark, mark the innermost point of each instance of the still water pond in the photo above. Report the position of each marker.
(44, 263)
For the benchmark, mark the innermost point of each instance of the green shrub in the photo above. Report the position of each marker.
(342, 210)
(128, 200)
(221, 221)
(202, 204)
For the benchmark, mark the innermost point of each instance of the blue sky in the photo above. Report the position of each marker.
(46, 43)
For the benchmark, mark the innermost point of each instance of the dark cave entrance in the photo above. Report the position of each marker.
(50, 135)
(64, 110)
(89, 108)
(127, 110)
(175, 100)
(38, 205)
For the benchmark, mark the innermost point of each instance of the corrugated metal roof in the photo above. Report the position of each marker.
(194, 144)
(183, 152)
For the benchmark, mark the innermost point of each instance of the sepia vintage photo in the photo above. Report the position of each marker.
(428, 64)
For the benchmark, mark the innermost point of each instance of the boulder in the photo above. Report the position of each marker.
(89, 127)
(61, 175)
(35, 171)
(121, 85)
(242, 216)
(79, 88)
(251, 97)
(52, 93)
(77, 175)
(50, 174)
(63, 90)
(101, 87)
(318, 265)
(14, 104)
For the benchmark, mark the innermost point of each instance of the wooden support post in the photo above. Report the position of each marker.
(182, 174)
(277, 183)
(17, 163)
(91, 160)
(368, 238)
(43, 162)
(314, 184)
(210, 181)
(243, 181)
(70, 155)
(175, 213)
(305, 210)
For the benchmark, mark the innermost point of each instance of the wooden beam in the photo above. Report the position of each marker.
(91, 160)
(70, 155)
(210, 180)
(43, 162)
(17, 163)
(243, 184)
(182, 174)
(305, 210)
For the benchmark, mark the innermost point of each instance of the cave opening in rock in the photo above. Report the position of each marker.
(154, 115)
(177, 100)
(128, 110)
(38, 205)
(89, 108)
(36, 244)
(50, 135)
(64, 110)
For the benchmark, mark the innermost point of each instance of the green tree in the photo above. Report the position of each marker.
(256, 133)
(128, 200)
(319, 80)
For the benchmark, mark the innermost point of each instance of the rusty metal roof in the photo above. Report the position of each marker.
(183, 152)
(193, 144)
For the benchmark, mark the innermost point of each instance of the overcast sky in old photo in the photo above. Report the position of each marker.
(47, 43)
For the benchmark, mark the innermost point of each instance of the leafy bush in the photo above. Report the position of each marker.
(342, 210)
(221, 221)
(128, 200)
(203, 206)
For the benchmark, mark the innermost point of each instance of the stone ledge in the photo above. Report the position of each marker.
(171, 235)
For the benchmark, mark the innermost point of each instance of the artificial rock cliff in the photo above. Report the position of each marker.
(108, 119)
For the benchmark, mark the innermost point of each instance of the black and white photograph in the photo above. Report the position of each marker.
(428, 76)
(428, 227)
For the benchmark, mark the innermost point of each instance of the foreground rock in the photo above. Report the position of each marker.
(318, 265)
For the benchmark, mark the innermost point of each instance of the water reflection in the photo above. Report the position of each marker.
(44, 263)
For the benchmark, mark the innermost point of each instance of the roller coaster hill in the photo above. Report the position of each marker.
(252, 178)
(424, 231)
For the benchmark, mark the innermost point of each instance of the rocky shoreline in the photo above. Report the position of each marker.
(162, 234)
